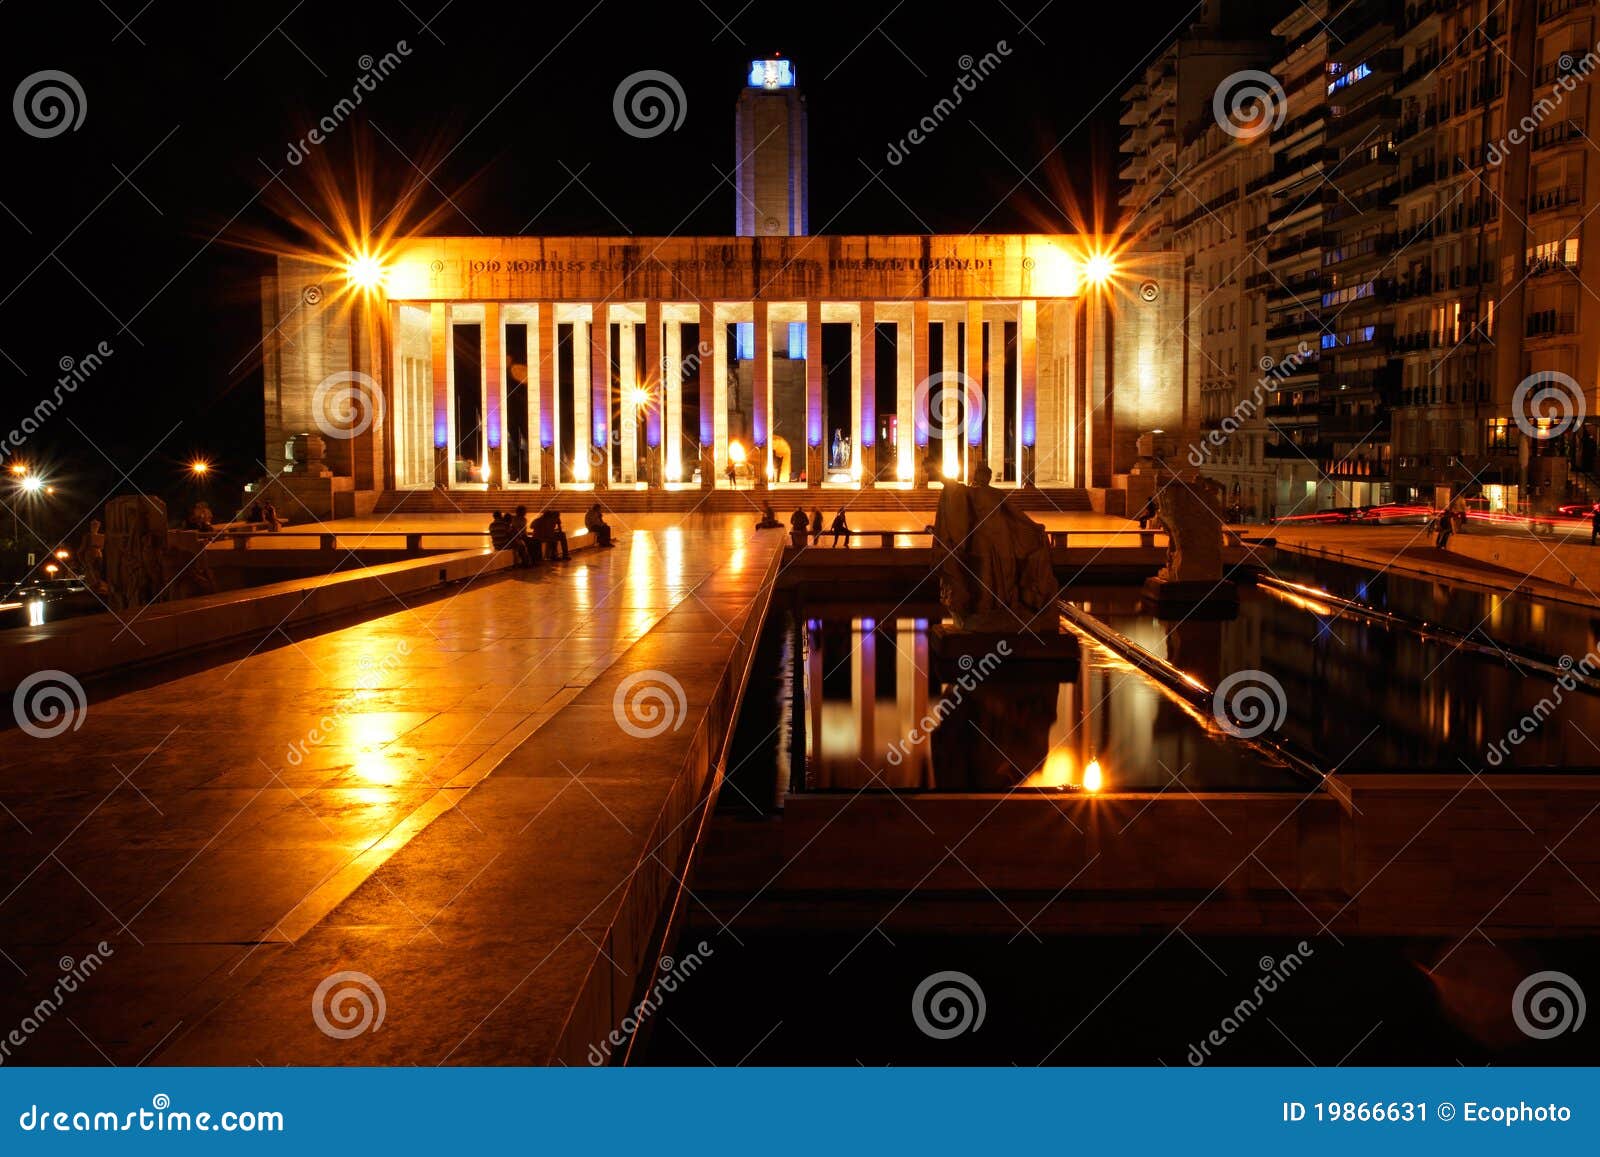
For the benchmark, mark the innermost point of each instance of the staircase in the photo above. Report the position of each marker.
(877, 499)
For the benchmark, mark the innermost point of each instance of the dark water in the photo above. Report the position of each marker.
(844, 704)
(844, 998)
(1365, 697)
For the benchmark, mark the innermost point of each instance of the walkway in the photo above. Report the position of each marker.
(441, 799)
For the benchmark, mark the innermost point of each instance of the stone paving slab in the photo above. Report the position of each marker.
(243, 831)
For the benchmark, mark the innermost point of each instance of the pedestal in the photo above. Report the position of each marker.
(869, 467)
(815, 470)
(547, 468)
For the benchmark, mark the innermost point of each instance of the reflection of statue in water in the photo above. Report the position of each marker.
(965, 754)
(993, 562)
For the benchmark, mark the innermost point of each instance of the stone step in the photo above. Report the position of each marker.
(691, 501)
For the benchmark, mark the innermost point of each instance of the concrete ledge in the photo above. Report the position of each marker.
(96, 645)
(1575, 566)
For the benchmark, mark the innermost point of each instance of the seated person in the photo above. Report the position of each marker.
(269, 515)
(769, 519)
(500, 531)
(547, 530)
(840, 528)
(520, 546)
(594, 521)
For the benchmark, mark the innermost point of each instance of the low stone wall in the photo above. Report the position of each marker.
(1566, 563)
(96, 645)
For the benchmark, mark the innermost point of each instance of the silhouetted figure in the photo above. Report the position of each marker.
(517, 526)
(200, 518)
(769, 518)
(1594, 525)
(594, 521)
(840, 529)
(269, 515)
(547, 530)
(798, 522)
(816, 524)
(1148, 513)
(500, 531)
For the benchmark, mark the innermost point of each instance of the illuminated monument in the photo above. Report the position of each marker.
(767, 359)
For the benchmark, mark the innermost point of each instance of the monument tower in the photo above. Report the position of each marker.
(770, 154)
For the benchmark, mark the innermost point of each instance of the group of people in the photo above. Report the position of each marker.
(804, 528)
(510, 530)
(1447, 522)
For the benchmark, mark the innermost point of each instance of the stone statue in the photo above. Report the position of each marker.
(1191, 509)
(993, 562)
(136, 539)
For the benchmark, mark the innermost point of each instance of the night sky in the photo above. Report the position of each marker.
(143, 226)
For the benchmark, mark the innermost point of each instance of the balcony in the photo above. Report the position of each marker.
(1372, 426)
(1551, 323)
(1558, 197)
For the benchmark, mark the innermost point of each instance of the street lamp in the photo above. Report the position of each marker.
(199, 467)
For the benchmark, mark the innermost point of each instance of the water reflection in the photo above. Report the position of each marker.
(1367, 697)
(867, 714)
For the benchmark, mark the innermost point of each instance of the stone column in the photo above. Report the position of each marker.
(995, 403)
(708, 366)
(760, 408)
(1028, 403)
(816, 431)
(654, 379)
(972, 401)
(546, 386)
(439, 333)
(598, 435)
(494, 381)
(626, 436)
(672, 402)
(866, 382)
(918, 428)
(949, 407)
(864, 686)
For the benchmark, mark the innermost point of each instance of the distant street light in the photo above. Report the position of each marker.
(199, 467)
(32, 483)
